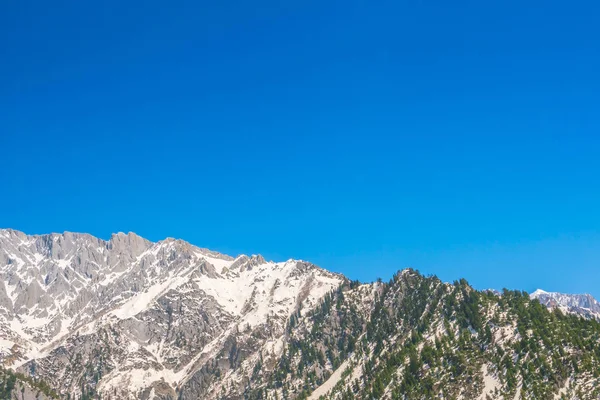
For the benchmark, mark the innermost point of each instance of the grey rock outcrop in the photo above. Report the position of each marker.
(129, 318)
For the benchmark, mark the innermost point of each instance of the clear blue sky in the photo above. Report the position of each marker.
(460, 138)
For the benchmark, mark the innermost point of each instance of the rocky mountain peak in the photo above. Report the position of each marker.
(170, 306)
(127, 318)
(582, 304)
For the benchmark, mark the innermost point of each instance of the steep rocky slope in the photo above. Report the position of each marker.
(581, 304)
(15, 386)
(424, 339)
(131, 319)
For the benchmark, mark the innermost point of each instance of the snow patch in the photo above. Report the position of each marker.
(330, 383)
(142, 301)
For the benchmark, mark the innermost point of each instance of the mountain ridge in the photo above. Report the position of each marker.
(130, 318)
(581, 304)
(83, 283)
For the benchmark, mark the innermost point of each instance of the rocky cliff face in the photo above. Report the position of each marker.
(84, 318)
(129, 318)
(580, 304)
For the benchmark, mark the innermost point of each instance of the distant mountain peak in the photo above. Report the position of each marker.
(583, 304)
(538, 292)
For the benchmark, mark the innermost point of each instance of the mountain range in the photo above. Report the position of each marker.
(582, 304)
(127, 318)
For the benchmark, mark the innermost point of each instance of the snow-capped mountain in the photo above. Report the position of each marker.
(583, 304)
(83, 318)
(143, 318)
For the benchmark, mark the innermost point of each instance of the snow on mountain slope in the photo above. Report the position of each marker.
(582, 304)
(127, 318)
(131, 317)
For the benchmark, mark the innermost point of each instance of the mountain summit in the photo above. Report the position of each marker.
(581, 304)
(148, 316)
(127, 318)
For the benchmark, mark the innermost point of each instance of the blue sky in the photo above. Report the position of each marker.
(459, 138)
